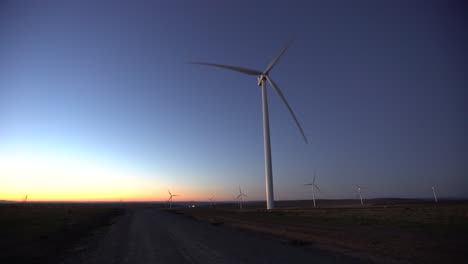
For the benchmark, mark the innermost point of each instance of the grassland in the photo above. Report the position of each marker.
(383, 231)
(44, 233)
(392, 231)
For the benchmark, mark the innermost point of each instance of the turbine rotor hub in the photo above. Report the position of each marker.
(261, 79)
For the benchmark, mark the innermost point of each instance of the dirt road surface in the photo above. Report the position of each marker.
(148, 235)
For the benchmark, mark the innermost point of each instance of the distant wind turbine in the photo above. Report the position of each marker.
(170, 198)
(435, 195)
(240, 197)
(26, 198)
(359, 191)
(314, 186)
(262, 79)
(211, 199)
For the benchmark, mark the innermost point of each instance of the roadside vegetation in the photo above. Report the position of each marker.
(44, 233)
(419, 232)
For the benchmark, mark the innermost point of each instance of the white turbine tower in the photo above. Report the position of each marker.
(239, 197)
(314, 186)
(264, 77)
(170, 198)
(359, 191)
(435, 195)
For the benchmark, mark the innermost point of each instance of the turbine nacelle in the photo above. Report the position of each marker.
(260, 79)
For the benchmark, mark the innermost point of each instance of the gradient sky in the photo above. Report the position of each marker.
(98, 102)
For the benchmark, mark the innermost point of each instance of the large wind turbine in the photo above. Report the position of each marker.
(262, 78)
(239, 197)
(170, 198)
(314, 186)
(26, 198)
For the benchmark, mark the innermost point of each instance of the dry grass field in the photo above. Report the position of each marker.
(391, 231)
(382, 231)
(43, 233)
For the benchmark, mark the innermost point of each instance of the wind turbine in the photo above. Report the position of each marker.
(262, 79)
(25, 198)
(359, 191)
(435, 195)
(170, 198)
(239, 197)
(314, 186)
(211, 201)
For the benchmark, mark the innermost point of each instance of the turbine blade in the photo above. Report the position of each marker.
(307, 184)
(315, 185)
(169, 192)
(275, 60)
(278, 91)
(234, 68)
(315, 176)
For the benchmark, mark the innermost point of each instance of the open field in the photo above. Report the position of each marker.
(385, 230)
(43, 233)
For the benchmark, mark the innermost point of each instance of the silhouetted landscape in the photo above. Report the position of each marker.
(382, 231)
(47, 232)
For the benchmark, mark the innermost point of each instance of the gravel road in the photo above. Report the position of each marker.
(148, 235)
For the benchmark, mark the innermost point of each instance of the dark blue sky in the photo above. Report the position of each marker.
(379, 87)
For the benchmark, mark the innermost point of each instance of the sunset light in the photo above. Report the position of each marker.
(207, 131)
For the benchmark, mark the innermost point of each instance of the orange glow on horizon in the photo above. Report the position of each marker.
(71, 179)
